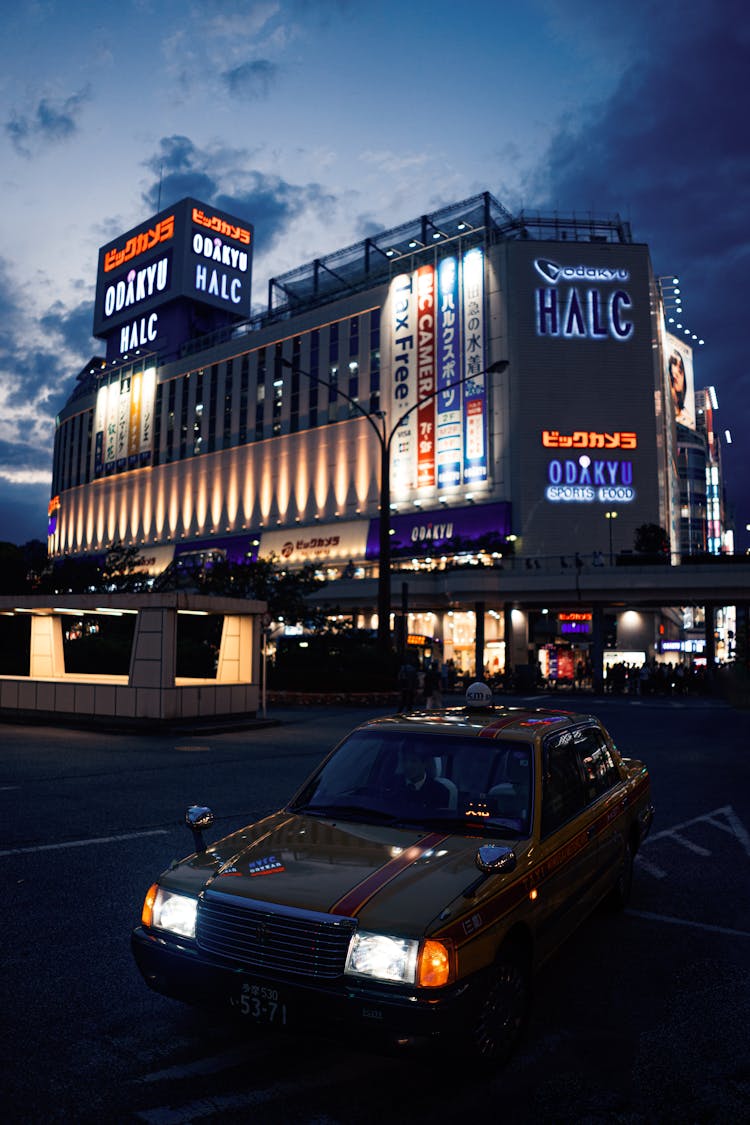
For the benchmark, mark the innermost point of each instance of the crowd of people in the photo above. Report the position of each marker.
(655, 678)
(425, 687)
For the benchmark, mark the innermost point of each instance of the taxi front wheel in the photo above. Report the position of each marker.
(504, 1010)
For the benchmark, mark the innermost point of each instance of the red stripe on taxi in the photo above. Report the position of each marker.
(493, 729)
(355, 899)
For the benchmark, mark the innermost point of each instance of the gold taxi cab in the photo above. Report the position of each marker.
(412, 885)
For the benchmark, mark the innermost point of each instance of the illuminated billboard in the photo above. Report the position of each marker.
(438, 359)
(584, 383)
(123, 421)
(188, 253)
(680, 381)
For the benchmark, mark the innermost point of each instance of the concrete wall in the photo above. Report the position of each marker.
(151, 692)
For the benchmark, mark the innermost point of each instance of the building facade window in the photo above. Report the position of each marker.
(171, 398)
(374, 359)
(260, 395)
(294, 396)
(244, 385)
(315, 373)
(198, 418)
(226, 438)
(333, 371)
(213, 392)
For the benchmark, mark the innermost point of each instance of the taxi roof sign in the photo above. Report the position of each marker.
(478, 695)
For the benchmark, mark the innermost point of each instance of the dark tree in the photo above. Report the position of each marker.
(650, 539)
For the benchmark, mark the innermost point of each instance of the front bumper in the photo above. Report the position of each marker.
(184, 972)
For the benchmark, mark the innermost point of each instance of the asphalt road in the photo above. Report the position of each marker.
(641, 1017)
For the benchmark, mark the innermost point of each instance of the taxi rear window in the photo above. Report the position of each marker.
(578, 768)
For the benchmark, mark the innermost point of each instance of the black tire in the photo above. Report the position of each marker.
(503, 1012)
(620, 896)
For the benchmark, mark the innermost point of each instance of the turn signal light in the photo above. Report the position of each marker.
(434, 968)
(148, 906)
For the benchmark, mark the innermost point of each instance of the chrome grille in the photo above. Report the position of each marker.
(281, 939)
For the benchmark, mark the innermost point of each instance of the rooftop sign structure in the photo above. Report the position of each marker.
(188, 267)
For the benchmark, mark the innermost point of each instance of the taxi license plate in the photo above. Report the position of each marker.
(261, 1004)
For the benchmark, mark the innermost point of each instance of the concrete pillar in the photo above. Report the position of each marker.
(153, 660)
(508, 635)
(47, 660)
(235, 651)
(479, 640)
(597, 648)
(710, 624)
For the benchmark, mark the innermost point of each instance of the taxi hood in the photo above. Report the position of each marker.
(389, 878)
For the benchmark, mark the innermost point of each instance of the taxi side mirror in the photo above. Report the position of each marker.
(491, 859)
(198, 818)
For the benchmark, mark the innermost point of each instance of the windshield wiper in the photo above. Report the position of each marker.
(470, 826)
(344, 811)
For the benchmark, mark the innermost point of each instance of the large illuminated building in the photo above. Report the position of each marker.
(530, 354)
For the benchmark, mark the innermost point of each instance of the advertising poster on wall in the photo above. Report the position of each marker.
(475, 389)
(437, 341)
(404, 384)
(123, 422)
(680, 381)
(449, 399)
(426, 385)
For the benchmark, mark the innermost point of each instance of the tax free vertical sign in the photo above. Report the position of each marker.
(404, 383)
(438, 360)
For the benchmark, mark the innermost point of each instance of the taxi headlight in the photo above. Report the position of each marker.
(382, 957)
(166, 910)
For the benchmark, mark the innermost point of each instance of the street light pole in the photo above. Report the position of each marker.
(385, 440)
(610, 516)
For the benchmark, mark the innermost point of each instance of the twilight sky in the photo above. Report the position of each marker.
(323, 121)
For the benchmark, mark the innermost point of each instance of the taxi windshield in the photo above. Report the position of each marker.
(416, 777)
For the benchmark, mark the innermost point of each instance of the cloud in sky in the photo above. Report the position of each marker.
(321, 123)
(668, 151)
(215, 175)
(250, 81)
(52, 121)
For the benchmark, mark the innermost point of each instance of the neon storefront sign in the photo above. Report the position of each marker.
(589, 439)
(587, 480)
(579, 312)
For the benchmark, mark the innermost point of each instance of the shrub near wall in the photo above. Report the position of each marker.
(331, 664)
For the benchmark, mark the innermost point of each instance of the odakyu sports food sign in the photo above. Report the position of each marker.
(586, 479)
(583, 302)
(438, 362)
(187, 253)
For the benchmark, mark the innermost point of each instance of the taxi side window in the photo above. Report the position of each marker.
(599, 769)
(564, 790)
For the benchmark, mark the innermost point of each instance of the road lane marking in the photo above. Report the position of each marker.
(212, 1065)
(724, 818)
(691, 847)
(687, 922)
(247, 1100)
(85, 843)
(649, 867)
